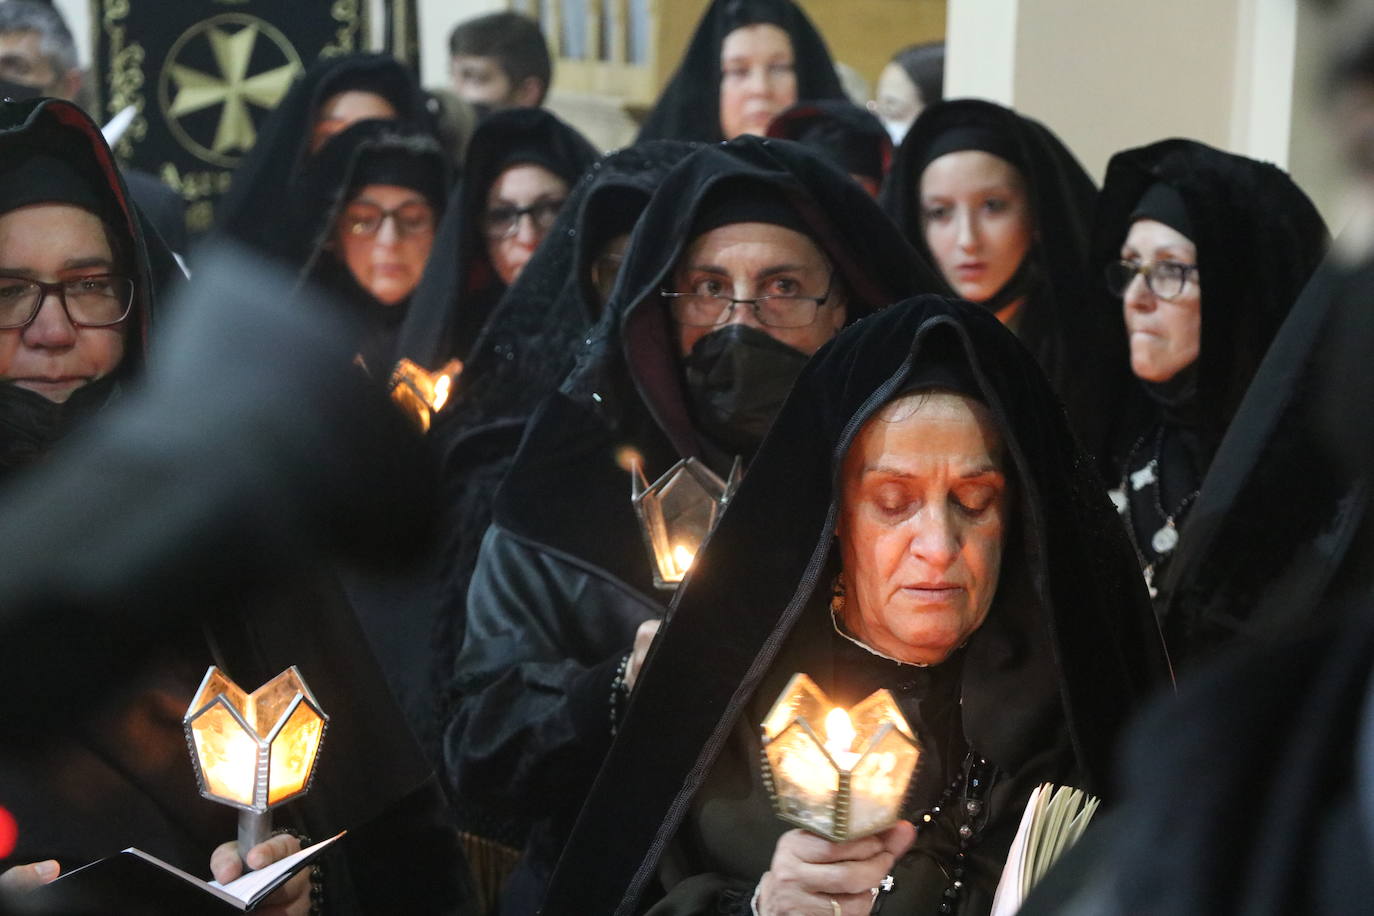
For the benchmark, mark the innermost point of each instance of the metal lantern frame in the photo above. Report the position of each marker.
(219, 693)
(879, 727)
(647, 499)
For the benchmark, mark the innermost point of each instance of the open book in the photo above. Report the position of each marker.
(135, 882)
(1054, 820)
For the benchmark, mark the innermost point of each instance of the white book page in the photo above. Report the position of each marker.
(250, 887)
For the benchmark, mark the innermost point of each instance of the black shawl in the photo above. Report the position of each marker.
(29, 423)
(1055, 323)
(251, 211)
(689, 108)
(318, 198)
(1069, 645)
(627, 387)
(460, 287)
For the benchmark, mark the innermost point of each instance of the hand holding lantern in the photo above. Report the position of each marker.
(423, 394)
(850, 783)
(677, 512)
(254, 751)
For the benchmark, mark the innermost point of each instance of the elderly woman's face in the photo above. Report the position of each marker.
(977, 221)
(50, 355)
(758, 79)
(924, 511)
(748, 260)
(384, 237)
(1165, 334)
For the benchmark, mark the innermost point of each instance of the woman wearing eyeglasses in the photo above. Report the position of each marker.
(1202, 253)
(76, 278)
(368, 204)
(519, 168)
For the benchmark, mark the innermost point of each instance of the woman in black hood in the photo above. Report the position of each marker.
(1203, 254)
(1005, 519)
(747, 61)
(1005, 210)
(57, 368)
(520, 166)
(849, 136)
(369, 202)
(333, 93)
(563, 580)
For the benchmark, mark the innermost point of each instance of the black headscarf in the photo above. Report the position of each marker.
(1054, 323)
(51, 151)
(368, 152)
(849, 136)
(1069, 646)
(249, 212)
(460, 286)
(689, 108)
(1258, 238)
(628, 389)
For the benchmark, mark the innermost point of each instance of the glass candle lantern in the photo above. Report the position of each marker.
(256, 750)
(677, 511)
(838, 773)
(422, 394)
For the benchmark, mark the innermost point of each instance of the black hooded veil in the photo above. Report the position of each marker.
(250, 212)
(1259, 239)
(460, 287)
(1056, 322)
(689, 108)
(368, 152)
(1068, 649)
(563, 579)
(51, 151)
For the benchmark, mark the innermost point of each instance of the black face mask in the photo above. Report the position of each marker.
(737, 379)
(19, 92)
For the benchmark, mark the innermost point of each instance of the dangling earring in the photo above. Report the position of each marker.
(837, 596)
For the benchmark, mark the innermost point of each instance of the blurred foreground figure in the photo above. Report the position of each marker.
(192, 523)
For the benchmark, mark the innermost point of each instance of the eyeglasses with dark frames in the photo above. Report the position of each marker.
(96, 301)
(503, 222)
(411, 218)
(1165, 279)
(698, 310)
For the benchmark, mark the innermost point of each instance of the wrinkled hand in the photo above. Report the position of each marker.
(808, 872)
(291, 899)
(22, 878)
(644, 638)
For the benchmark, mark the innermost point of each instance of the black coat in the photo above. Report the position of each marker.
(563, 578)
(1068, 650)
(689, 108)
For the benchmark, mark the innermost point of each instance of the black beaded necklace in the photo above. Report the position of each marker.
(969, 787)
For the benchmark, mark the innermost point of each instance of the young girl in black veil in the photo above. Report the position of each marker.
(1201, 253)
(1005, 210)
(747, 61)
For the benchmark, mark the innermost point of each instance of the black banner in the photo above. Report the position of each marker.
(203, 75)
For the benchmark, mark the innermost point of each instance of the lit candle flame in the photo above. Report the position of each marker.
(839, 732)
(682, 559)
(441, 389)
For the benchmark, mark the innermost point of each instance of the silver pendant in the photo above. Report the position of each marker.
(1165, 539)
(1150, 581)
(1118, 497)
(1143, 477)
